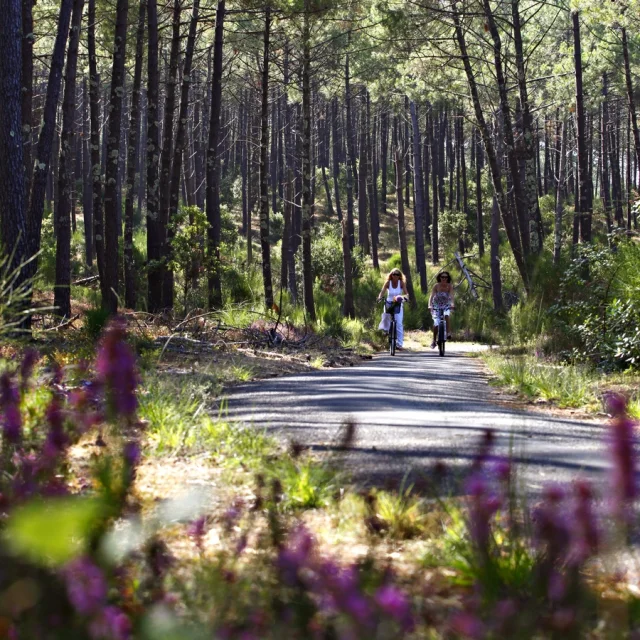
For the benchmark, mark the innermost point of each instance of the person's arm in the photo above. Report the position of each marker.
(405, 293)
(433, 290)
(385, 286)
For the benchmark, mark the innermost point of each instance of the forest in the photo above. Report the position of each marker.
(198, 196)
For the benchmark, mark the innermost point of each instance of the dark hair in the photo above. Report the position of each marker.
(442, 274)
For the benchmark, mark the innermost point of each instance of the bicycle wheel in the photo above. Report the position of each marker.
(392, 338)
(442, 327)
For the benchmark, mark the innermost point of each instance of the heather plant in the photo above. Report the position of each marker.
(83, 562)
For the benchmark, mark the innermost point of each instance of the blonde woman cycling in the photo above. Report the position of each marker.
(395, 290)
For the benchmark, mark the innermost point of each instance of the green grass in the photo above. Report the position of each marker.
(306, 483)
(565, 385)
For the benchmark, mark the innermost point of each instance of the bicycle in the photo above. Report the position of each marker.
(442, 328)
(392, 308)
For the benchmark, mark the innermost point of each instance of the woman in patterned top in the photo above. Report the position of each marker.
(441, 298)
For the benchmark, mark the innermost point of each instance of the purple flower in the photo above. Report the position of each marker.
(115, 365)
(484, 450)
(10, 410)
(111, 624)
(624, 489)
(357, 606)
(57, 439)
(197, 530)
(483, 506)
(29, 360)
(467, 625)
(295, 554)
(586, 537)
(232, 515)
(131, 453)
(394, 603)
(86, 585)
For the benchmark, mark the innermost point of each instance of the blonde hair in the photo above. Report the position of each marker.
(395, 272)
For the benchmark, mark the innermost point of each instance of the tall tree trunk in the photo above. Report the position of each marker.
(132, 153)
(605, 190)
(418, 209)
(529, 153)
(87, 185)
(155, 230)
(402, 234)
(264, 164)
(213, 165)
(384, 155)
(426, 167)
(286, 232)
(520, 199)
(630, 96)
(45, 139)
(560, 196)
(166, 155)
(307, 273)
(585, 189)
(479, 166)
(363, 224)
(27, 90)
(336, 156)
(496, 177)
(12, 175)
(614, 162)
(62, 289)
(351, 141)
(113, 154)
(180, 144)
(96, 165)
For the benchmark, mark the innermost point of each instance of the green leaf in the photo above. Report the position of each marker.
(53, 532)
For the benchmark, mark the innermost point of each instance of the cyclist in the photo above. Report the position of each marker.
(395, 290)
(441, 298)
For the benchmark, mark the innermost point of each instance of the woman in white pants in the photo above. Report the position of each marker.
(395, 290)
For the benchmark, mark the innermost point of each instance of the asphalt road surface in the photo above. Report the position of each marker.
(416, 409)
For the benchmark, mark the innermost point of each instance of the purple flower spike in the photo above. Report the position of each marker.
(622, 441)
(468, 625)
(586, 536)
(86, 586)
(10, 410)
(394, 603)
(111, 624)
(115, 365)
(197, 529)
(29, 360)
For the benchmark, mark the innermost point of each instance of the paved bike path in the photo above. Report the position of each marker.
(413, 410)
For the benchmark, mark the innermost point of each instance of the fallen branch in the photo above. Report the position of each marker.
(85, 281)
(63, 324)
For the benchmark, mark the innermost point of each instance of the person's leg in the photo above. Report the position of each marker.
(399, 329)
(435, 333)
(448, 327)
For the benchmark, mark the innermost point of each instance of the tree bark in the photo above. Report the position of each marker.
(132, 152)
(62, 289)
(479, 167)
(155, 229)
(336, 157)
(307, 273)
(264, 164)
(13, 238)
(560, 196)
(585, 189)
(96, 165)
(113, 155)
(180, 144)
(402, 234)
(363, 224)
(630, 96)
(520, 200)
(27, 90)
(45, 139)
(213, 165)
(418, 209)
(512, 235)
(605, 190)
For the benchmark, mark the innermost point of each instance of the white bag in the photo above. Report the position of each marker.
(385, 322)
